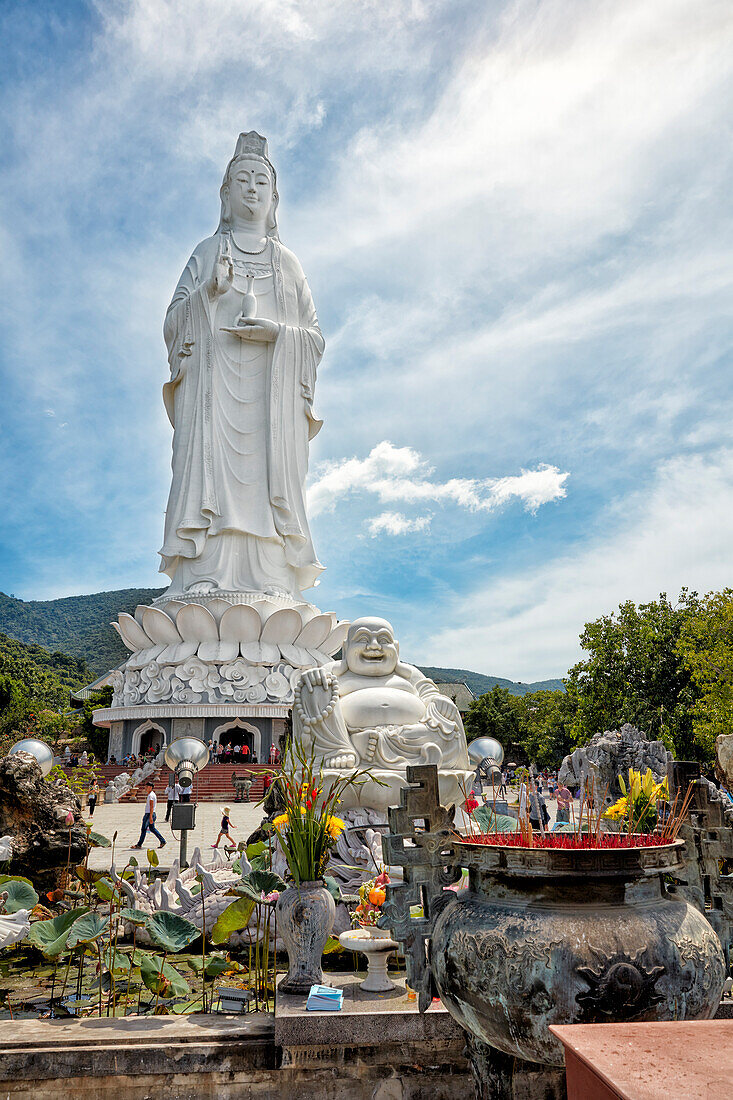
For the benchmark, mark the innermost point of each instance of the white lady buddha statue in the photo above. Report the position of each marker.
(240, 399)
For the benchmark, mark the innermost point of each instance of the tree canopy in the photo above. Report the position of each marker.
(665, 667)
(706, 648)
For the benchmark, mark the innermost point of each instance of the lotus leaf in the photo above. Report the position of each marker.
(158, 979)
(134, 916)
(50, 936)
(171, 932)
(96, 840)
(333, 888)
(116, 960)
(21, 895)
(258, 855)
(87, 929)
(195, 1004)
(258, 883)
(218, 964)
(234, 918)
(104, 889)
(87, 875)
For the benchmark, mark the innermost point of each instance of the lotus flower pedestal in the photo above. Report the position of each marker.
(377, 944)
(201, 667)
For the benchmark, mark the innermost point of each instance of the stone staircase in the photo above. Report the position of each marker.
(213, 784)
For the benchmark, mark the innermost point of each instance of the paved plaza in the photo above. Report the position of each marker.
(126, 819)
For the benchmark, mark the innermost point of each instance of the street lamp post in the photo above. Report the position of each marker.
(185, 757)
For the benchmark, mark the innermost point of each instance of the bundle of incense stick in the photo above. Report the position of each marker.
(574, 841)
(586, 831)
(677, 816)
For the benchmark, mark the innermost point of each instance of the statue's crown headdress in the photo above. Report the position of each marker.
(251, 143)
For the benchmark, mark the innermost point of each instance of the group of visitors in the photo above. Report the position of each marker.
(228, 753)
(76, 760)
(533, 795)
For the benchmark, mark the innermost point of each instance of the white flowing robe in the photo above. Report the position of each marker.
(242, 414)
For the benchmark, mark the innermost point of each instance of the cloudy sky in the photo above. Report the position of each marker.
(515, 220)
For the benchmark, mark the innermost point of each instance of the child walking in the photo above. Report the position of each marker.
(226, 825)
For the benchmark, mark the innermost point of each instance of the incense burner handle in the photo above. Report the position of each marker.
(421, 842)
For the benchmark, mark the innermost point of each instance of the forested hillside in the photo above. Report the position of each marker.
(46, 677)
(78, 625)
(480, 684)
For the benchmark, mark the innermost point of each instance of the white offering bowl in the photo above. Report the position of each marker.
(377, 944)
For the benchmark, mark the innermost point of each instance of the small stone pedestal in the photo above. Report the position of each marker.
(377, 945)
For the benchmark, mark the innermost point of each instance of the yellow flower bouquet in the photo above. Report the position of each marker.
(308, 828)
(638, 804)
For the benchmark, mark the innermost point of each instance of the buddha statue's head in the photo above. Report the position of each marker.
(249, 190)
(371, 649)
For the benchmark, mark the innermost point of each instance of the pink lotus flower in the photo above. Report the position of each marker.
(69, 819)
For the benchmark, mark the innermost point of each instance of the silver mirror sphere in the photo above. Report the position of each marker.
(38, 749)
(485, 748)
(185, 757)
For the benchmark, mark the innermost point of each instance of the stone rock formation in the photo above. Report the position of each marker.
(610, 754)
(724, 753)
(33, 812)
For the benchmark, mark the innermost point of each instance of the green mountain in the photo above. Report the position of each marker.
(480, 684)
(79, 626)
(46, 677)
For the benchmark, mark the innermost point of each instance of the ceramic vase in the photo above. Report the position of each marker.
(305, 916)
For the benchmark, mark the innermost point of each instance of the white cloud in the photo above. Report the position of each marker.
(395, 523)
(677, 532)
(400, 474)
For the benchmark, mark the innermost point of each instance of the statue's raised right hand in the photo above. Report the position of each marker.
(315, 677)
(223, 273)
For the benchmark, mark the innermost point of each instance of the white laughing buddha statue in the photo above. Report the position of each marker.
(372, 711)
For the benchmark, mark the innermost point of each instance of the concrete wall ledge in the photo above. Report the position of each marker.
(79, 1054)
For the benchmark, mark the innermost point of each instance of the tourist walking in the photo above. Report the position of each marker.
(93, 796)
(149, 817)
(564, 802)
(502, 786)
(226, 825)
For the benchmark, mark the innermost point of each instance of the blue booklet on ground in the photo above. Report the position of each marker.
(322, 998)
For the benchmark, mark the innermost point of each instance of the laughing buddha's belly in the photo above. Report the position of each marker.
(381, 706)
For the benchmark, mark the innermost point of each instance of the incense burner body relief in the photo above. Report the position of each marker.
(547, 936)
(559, 931)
